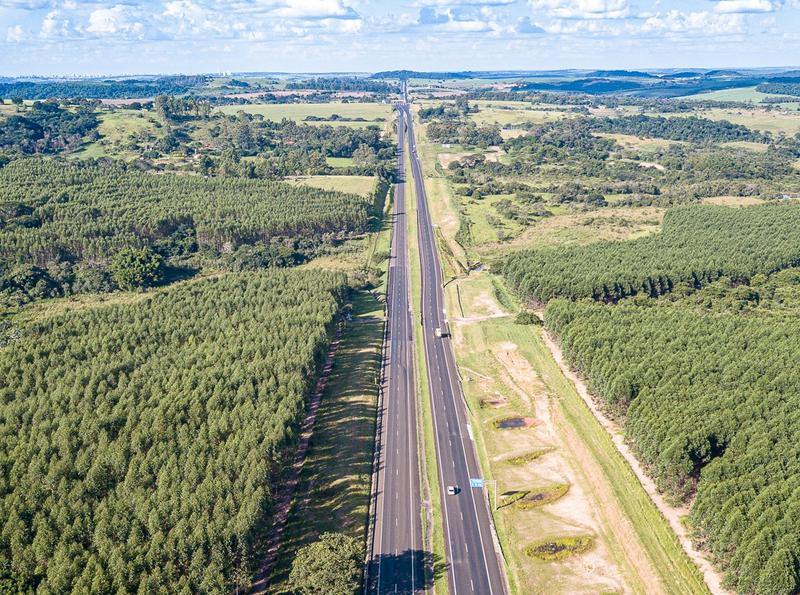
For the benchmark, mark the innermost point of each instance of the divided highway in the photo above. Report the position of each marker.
(397, 564)
(472, 560)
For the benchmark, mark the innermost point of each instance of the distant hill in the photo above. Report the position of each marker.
(621, 74)
(682, 75)
(594, 86)
(712, 73)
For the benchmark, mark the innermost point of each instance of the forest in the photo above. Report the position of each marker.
(47, 127)
(697, 245)
(101, 89)
(692, 128)
(61, 225)
(711, 406)
(141, 442)
(345, 83)
(464, 132)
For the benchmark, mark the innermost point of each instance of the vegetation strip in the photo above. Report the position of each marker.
(283, 501)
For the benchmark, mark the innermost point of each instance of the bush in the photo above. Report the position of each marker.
(527, 317)
(332, 564)
(134, 268)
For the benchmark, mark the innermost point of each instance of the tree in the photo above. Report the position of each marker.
(365, 156)
(332, 564)
(133, 268)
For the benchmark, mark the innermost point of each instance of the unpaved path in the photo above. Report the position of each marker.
(283, 502)
(596, 498)
(673, 515)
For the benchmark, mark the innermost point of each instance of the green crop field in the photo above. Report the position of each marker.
(362, 185)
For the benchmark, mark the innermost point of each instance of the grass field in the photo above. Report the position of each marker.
(371, 112)
(744, 94)
(362, 185)
(627, 141)
(510, 116)
(340, 161)
(116, 128)
(754, 118)
(334, 489)
(507, 371)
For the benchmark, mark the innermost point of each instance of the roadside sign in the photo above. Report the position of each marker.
(476, 482)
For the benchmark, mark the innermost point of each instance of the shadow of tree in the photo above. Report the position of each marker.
(334, 489)
(406, 572)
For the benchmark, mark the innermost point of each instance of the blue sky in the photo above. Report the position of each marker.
(122, 36)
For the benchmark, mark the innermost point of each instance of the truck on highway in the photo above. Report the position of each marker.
(439, 333)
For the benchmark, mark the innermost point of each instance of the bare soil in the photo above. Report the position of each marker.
(673, 515)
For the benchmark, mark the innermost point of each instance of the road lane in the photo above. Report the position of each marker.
(397, 564)
(473, 562)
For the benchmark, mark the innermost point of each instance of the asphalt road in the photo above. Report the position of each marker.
(398, 560)
(472, 560)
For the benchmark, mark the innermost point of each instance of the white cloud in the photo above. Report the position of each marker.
(314, 9)
(528, 27)
(53, 25)
(15, 34)
(703, 23)
(463, 2)
(583, 9)
(26, 4)
(114, 20)
(746, 6)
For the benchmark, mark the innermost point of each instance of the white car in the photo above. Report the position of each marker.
(452, 490)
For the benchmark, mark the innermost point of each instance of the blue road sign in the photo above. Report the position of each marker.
(476, 482)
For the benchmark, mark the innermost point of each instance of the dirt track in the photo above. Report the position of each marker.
(673, 515)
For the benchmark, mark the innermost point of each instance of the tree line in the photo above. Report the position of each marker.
(697, 245)
(711, 404)
(101, 89)
(141, 443)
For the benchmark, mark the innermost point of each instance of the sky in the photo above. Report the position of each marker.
(101, 37)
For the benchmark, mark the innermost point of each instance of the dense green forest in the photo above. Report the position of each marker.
(697, 245)
(693, 129)
(712, 406)
(345, 83)
(780, 88)
(61, 225)
(464, 132)
(101, 89)
(47, 128)
(140, 443)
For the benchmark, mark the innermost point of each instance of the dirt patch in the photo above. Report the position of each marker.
(497, 402)
(673, 515)
(515, 423)
(542, 496)
(651, 165)
(560, 548)
(733, 201)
